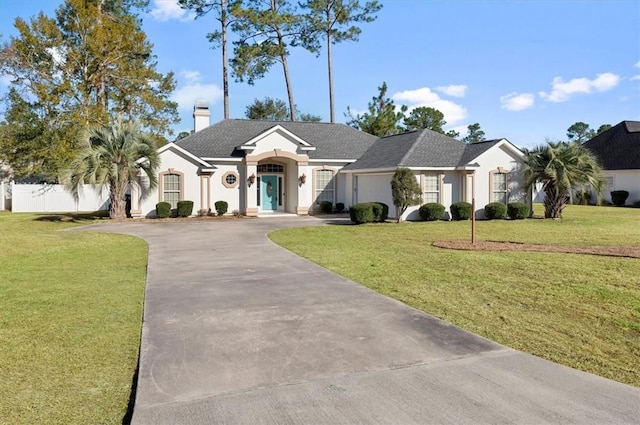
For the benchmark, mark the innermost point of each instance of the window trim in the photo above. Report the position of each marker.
(334, 190)
(161, 183)
(492, 192)
(228, 185)
(440, 178)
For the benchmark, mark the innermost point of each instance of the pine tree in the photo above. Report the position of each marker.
(382, 118)
(333, 20)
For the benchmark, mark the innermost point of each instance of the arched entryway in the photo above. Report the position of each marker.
(277, 185)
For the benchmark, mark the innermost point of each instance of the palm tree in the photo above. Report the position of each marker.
(562, 167)
(112, 157)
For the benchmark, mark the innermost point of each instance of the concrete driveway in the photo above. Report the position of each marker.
(240, 331)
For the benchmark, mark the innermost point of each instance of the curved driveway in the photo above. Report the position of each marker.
(240, 331)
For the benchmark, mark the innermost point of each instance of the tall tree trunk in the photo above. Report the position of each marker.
(554, 203)
(332, 117)
(117, 203)
(285, 68)
(287, 79)
(329, 65)
(225, 59)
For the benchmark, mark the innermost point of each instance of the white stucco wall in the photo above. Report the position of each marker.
(276, 140)
(220, 192)
(628, 180)
(504, 158)
(172, 159)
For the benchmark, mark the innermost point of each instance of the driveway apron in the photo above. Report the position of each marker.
(240, 331)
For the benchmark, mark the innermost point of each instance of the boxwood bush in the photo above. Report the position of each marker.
(339, 207)
(163, 209)
(221, 207)
(361, 213)
(460, 211)
(517, 210)
(431, 211)
(367, 212)
(619, 197)
(185, 208)
(495, 211)
(326, 207)
(380, 211)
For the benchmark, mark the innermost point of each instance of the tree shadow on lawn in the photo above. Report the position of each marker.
(74, 217)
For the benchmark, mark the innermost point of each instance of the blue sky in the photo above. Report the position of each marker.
(524, 70)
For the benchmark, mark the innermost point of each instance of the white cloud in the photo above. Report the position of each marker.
(455, 90)
(461, 129)
(637, 65)
(166, 10)
(563, 90)
(194, 89)
(635, 77)
(517, 101)
(453, 113)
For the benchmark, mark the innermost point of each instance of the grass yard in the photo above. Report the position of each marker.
(70, 320)
(579, 310)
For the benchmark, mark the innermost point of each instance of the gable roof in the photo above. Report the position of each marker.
(422, 148)
(332, 141)
(619, 147)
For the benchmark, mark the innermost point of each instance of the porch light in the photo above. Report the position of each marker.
(303, 178)
(252, 179)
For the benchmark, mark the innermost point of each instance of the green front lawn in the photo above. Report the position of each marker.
(579, 310)
(70, 320)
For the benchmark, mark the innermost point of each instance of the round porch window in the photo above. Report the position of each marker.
(230, 179)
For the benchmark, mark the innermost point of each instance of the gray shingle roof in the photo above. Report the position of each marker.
(619, 147)
(424, 148)
(332, 141)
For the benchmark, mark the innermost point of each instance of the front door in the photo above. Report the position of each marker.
(269, 192)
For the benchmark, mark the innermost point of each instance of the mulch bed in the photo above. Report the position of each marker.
(610, 251)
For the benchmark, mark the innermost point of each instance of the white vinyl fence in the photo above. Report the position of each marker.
(54, 198)
(3, 196)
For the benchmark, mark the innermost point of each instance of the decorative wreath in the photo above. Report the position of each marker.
(269, 189)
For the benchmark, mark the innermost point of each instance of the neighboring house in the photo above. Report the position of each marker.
(266, 167)
(618, 150)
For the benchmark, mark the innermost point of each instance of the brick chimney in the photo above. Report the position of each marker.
(201, 115)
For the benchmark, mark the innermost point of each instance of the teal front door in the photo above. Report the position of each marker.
(269, 192)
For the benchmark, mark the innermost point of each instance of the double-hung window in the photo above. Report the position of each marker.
(324, 186)
(499, 189)
(431, 188)
(171, 189)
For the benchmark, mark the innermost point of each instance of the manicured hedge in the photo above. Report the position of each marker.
(221, 207)
(380, 211)
(495, 211)
(339, 207)
(619, 197)
(460, 211)
(431, 211)
(367, 212)
(517, 210)
(326, 207)
(163, 209)
(185, 208)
